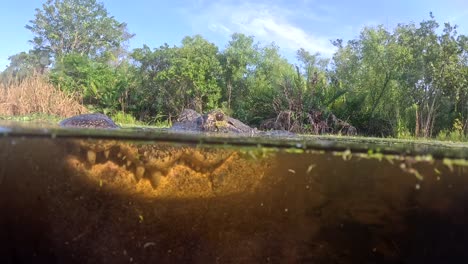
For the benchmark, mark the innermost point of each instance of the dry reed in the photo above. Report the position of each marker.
(36, 95)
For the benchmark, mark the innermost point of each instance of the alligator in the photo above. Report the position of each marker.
(189, 120)
(213, 121)
(166, 162)
(95, 120)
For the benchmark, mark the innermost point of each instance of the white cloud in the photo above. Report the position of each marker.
(219, 28)
(266, 22)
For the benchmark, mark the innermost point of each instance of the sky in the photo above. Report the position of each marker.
(291, 24)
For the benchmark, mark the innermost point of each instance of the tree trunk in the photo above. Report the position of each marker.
(432, 125)
(417, 128)
(229, 88)
(465, 126)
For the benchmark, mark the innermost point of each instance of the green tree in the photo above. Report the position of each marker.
(157, 95)
(461, 93)
(369, 70)
(409, 80)
(174, 78)
(237, 61)
(435, 77)
(81, 27)
(193, 75)
(318, 94)
(344, 78)
(25, 64)
(197, 66)
(266, 86)
(102, 86)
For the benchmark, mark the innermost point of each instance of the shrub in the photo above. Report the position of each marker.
(124, 118)
(456, 134)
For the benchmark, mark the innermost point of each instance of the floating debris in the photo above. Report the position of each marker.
(426, 158)
(347, 155)
(411, 171)
(149, 244)
(448, 163)
(457, 162)
(389, 158)
(294, 150)
(309, 169)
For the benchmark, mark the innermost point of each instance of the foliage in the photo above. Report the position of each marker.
(447, 135)
(174, 78)
(101, 85)
(433, 73)
(410, 81)
(237, 62)
(148, 100)
(25, 64)
(196, 68)
(455, 134)
(124, 118)
(34, 117)
(265, 84)
(368, 69)
(81, 27)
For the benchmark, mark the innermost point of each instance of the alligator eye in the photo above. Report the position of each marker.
(219, 116)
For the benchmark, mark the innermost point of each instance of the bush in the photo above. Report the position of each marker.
(456, 134)
(124, 118)
(447, 135)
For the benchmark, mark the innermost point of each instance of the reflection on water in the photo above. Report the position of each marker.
(69, 200)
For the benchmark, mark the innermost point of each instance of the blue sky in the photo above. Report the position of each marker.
(309, 24)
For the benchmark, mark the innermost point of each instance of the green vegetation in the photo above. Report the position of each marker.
(409, 82)
(37, 117)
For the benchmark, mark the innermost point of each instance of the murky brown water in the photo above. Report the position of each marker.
(67, 199)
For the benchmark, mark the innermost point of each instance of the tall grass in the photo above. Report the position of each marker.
(35, 95)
